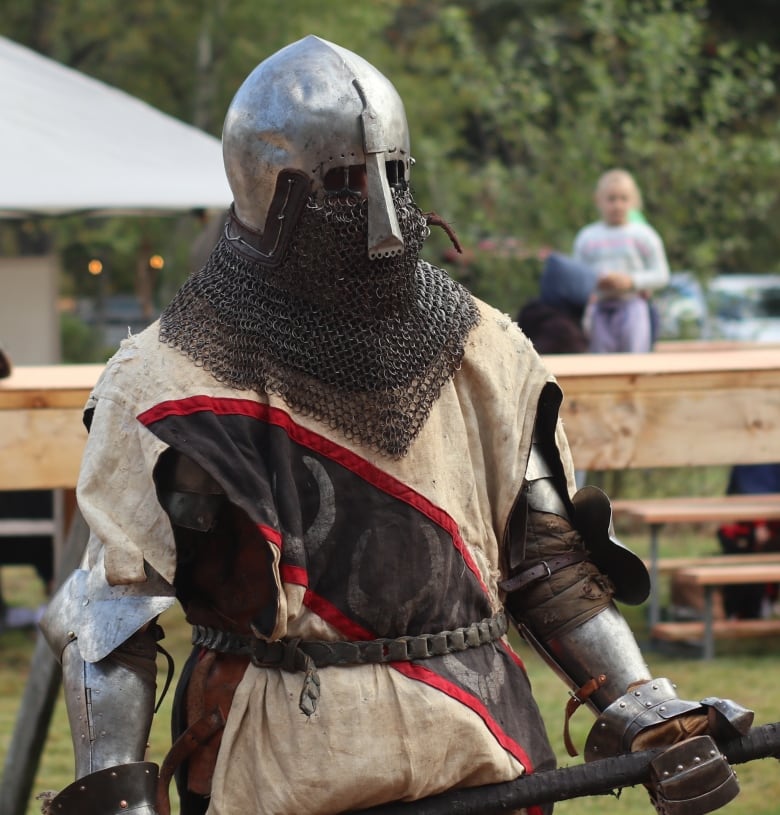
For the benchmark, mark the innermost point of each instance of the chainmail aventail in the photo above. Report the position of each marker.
(363, 346)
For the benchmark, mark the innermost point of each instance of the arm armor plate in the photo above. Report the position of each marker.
(592, 647)
(102, 637)
(596, 641)
(99, 616)
(602, 645)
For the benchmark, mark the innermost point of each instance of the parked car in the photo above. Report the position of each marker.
(744, 307)
(681, 308)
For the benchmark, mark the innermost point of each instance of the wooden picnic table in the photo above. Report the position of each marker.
(711, 577)
(655, 513)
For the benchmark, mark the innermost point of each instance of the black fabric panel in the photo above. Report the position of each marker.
(376, 558)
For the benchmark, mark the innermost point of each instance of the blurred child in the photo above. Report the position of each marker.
(630, 262)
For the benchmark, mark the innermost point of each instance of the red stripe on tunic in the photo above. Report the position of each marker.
(294, 574)
(271, 535)
(332, 615)
(335, 617)
(423, 674)
(314, 441)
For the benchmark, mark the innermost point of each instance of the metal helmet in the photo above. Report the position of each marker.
(307, 110)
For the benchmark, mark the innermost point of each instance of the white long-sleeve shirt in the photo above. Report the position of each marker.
(633, 248)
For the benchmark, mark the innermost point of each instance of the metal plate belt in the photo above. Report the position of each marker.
(297, 655)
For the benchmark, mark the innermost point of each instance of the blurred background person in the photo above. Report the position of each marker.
(630, 262)
(751, 601)
(553, 320)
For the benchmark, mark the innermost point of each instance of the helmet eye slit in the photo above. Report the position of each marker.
(395, 175)
(345, 180)
(351, 179)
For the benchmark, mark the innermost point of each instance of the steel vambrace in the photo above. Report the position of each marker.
(110, 709)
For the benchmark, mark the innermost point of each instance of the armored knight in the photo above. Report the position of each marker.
(351, 474)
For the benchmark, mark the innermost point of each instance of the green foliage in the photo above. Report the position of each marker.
(78, 340)
(538, 107)
(515, 110)
(81, 342)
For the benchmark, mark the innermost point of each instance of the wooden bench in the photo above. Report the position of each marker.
(655, 513)
(709, 578)
(669, 565)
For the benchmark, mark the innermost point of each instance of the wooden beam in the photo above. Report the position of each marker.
(695, 408)
(40, 449)
(42, 435)
(38, 387)
(621, 411)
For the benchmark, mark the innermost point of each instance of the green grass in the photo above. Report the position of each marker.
(748, 672)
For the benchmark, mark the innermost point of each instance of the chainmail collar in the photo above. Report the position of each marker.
(363, 346)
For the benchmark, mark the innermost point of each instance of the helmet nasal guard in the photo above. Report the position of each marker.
(309, 110)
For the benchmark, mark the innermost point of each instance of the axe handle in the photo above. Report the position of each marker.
(595, 778)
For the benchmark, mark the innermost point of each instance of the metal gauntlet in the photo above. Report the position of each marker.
(126, 790)
(690, 776)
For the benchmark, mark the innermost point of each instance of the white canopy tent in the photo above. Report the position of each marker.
(69, 143)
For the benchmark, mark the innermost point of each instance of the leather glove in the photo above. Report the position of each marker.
(673, 731)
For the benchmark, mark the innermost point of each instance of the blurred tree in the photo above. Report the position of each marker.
(538, 98)
(515, 109)
(187, 59)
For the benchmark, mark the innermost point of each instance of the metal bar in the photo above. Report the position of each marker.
(655, 600)
(708, 647)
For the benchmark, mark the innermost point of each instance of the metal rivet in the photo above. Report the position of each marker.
(696, 760)
(123, 804)
(662, 708)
